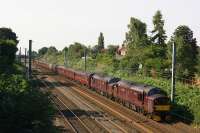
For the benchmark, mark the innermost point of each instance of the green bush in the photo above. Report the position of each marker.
(22, 108)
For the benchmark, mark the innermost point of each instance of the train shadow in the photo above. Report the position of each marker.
(82, 113)
(181, 113)
(52, 84)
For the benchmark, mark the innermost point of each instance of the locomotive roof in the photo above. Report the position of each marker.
(83, 73)
(148, 89)
(157, 96)
(106, 78)
(66, 68)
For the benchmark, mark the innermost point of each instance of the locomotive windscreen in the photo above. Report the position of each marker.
(156, 91)
(161, 101)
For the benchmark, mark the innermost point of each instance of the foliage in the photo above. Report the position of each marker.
(136, 36)
(23, 109)
(136, 41)
(8, 34)
(42, 51)
(76, 51)
(100, 45)
(187, 52)
(52, 49)
(8, 49)
(65, 49)
(153, 58)
(34, 54)
(159, 37)
(112, 49)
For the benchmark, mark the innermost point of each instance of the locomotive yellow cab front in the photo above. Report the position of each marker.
(162, 107)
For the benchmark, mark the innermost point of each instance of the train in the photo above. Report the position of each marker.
(146, 99)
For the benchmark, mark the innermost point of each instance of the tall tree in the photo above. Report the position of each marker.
(75, 51)
(136, 36)
(136, 41)
(52, 50)
(187, 51)
(159, 36)
(42, 51)
(101, 42)
(8, 47)
(8, 34)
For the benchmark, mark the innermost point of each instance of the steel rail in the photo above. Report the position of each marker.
(71, 112)
(89, 106)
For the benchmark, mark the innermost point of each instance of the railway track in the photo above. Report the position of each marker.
(129, 117)
(97, 114)
(74, 122)
(120, 128)
(106, 123)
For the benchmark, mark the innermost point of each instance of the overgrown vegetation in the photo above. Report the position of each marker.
(23, 108)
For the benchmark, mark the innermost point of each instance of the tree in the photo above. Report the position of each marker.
(76, 50)
(100, 42)
(42, 51)
(187, 51)
(159, 32)
(136, 36)
(8, 47)
(112, 49)
(23, 109)
(52, 50)
(8, 34)
(7, 52)
(65, 49)
(34, 54)
(136, 41)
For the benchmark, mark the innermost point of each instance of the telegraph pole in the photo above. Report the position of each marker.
(85, 59)
(65, 62)
(20, 54)
(30, 52)
(173, 84)
(25, 58)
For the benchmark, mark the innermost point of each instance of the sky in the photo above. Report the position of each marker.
(62, 22)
